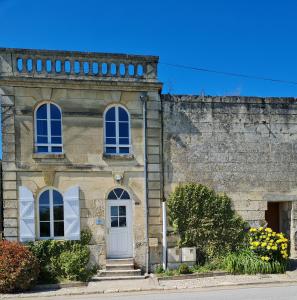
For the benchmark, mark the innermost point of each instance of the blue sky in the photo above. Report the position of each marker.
(256, 37)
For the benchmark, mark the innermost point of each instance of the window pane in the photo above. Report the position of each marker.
(124, 141)
(111, 150)
(45, 229)
(41, 112)
(58, 213)
(125, 196)
(57, 149)
(124, 150)
(56, 128)
(118, 192)
(112, 196)
(58, 229)
(114, 222)
(44, 198)
(122, 210)
(110, 114)
(44, 213)
(122, 221)
(123, 129)
(56, 140)
(42, 149)
(110, 140)
(123, 116)
(55, 112)
(57, 197)
(110, 129)
(41, 127)
(114, 211)
(42, 139)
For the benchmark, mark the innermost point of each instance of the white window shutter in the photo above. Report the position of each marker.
(26, 215)
(72, 214)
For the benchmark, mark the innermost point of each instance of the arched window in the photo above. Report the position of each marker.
(48, 129)
(118, 194)
(51, 214)
(117, 131)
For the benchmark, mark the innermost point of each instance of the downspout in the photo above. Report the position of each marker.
(164, 212)
(144, 125)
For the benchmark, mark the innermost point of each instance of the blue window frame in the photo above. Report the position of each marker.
(117, 131)
(48, 129)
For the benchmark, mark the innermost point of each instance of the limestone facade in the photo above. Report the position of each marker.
(83, 97)
(243, 146)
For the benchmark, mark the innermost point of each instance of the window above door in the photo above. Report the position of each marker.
(117, 135)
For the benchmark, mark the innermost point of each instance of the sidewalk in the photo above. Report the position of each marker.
(152, 284)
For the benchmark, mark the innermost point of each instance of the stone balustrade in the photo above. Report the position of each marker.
(77, 65)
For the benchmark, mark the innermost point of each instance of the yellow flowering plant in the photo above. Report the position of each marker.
(269, 245)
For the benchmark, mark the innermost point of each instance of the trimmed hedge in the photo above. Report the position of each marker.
(19, 268)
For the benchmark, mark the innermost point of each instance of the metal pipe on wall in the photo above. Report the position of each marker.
(144, 99)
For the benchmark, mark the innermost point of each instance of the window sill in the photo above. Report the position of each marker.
(48, 155)
(118, 156)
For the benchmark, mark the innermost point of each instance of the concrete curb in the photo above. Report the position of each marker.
(56, 286)
(149, 289)
(192, 276)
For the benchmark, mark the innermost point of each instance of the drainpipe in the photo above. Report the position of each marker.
(144, 125)
(164, 212)
(164, 234)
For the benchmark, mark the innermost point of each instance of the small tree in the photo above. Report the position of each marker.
(205, 219)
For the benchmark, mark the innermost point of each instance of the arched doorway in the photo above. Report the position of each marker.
(119, 224)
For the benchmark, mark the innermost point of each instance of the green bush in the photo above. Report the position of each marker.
(248, 262)
(73, 263)
(184, 269)
(206, 220)
(19, 268)
(53, 255)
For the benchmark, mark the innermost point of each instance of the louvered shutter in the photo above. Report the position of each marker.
(72, 214)
(26, 215)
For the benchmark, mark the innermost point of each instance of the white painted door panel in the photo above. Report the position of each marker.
(119, 231)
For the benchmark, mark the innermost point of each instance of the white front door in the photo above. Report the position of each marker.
(119, 231)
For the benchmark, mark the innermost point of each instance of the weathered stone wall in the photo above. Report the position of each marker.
(244, 146)
(1, 202)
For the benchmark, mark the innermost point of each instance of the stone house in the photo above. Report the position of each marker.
(89, 141)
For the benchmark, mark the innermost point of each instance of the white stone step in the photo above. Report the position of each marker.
(119, 267)
(120, 273)
(120, 261)
(105, 278)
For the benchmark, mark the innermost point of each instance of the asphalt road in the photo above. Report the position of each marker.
(255, 293)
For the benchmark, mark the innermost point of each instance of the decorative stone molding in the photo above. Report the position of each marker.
(49, 177)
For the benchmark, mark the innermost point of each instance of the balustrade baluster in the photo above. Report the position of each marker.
(127, 70)
(108, 69)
